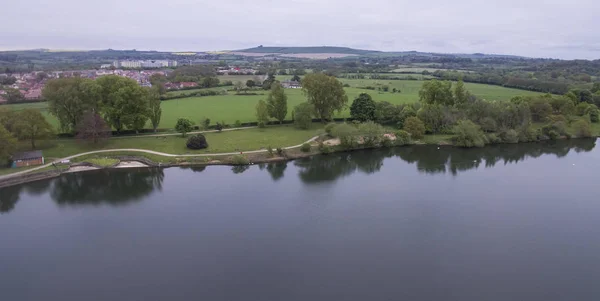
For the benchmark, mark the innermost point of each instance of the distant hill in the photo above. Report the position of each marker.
(297, 50)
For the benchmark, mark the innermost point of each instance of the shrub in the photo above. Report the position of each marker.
(510, 136)
(305, 148)
(402, 137)
(528, 134)
(239, 160)
(371, 132)
(205, 123)
(270, 151)
(583, 128)
(197, 142)
(238, 124)
(324, 148)
(387, 142)
(347, 135)
(581, 108)
(329, 127)
(540, 109)
(554, 130)
(183, 126)
(468, 134)
(280, 152)
(492, 138)
(594, 115)
(488, 124)
(219, 127)
(415, 127)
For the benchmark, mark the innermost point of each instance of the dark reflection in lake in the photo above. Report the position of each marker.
(115, 187)
(508, 222)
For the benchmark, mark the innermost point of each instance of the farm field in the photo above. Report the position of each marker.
(230, 108)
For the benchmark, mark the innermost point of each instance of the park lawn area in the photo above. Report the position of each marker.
(228, 141)
(231, 108)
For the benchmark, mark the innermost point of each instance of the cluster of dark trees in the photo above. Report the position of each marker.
(29, 125)
(84, 105)
(444, 109)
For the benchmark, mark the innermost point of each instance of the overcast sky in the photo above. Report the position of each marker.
(536, 28)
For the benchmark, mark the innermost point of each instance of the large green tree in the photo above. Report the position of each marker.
(32, 125)
(277, 102)
(325, 93)
(262, 113)
(184, 126)
(124, 102)
(154, 110)
(8, 144)
(363, 108)
(69, 98)
(436, 92)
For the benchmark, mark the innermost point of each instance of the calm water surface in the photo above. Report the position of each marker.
(513, 222)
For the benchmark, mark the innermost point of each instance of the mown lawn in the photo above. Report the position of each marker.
(228, 141)
(230, 108)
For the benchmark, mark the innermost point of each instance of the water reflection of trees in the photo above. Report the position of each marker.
(115, 187)
(433, 159)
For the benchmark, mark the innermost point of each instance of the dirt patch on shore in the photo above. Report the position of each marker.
(130, 164)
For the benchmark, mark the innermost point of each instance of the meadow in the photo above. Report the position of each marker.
(231, 108)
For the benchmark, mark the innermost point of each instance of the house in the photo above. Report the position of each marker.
(27, 159)
(290, 84)
(33, 94)
(187, 85)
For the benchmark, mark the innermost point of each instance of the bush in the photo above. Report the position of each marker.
(324, 148)
(468, 134)
(371, 132)
(238, 124)
(583, 128)
(387, 142)
(329, 127)
(197, 142)
(205, 123)
(347, 134)
(581, 108)
(305, 148)
(402, 137)
(219, 127)
(510, 136)
(415, 127)
(594, 115)
(488, 124)
(239, 160)
(270, 151)
(554, 130)
(528, 134)
(492, 138)
(184, 126)
(280, 152)
(540, 109)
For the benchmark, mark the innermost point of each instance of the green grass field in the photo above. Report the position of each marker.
(228, 141)
(230, 108)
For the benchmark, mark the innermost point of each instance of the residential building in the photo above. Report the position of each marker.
(290, 84)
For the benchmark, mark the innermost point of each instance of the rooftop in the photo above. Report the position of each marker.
(27, 155)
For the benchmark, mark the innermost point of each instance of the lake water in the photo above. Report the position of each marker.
(511, 222)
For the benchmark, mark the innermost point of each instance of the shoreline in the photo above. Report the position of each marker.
(225, 159)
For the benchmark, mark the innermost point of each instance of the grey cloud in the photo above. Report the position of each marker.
(538, 28)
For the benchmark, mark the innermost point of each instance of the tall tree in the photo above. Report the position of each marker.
(325, 93)
(154, 109)
(269, 81)
(8, 144)
(124, 102)
(93, 128)
(363, 108)
(460, 93)
(32, 125)
(596, 88)
(69, 98)
(277, 102)
(159, 80)
(302, 115)
(250, 83)
(296, 78)
(262, 113)
(436, 92)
